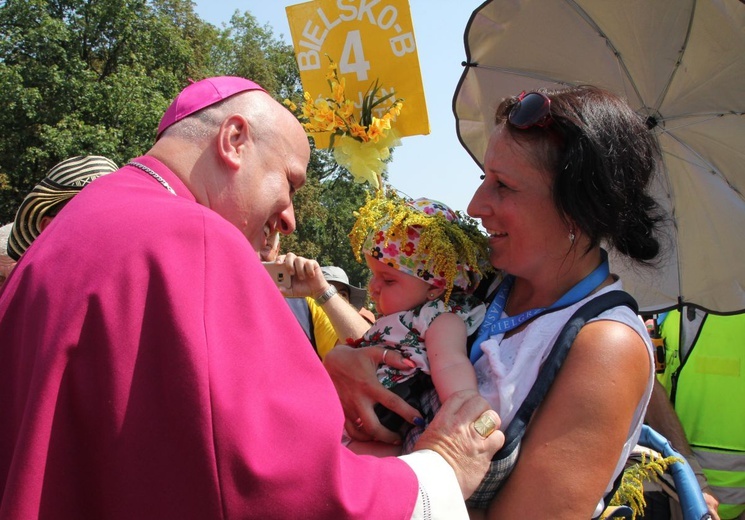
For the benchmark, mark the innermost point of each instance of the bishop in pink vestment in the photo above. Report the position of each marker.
(142, 375)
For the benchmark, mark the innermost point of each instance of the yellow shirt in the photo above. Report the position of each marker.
(324, 332)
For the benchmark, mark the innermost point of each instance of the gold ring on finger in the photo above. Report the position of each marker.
(485, 425)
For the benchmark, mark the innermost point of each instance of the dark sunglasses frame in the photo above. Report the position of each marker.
(532, 109)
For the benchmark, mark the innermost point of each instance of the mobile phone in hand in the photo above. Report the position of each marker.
(279, 274)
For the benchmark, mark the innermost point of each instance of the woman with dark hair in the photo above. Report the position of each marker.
(565, 172)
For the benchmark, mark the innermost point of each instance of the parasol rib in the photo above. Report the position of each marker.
(621, 63)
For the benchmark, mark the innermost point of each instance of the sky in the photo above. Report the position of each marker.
(436, 165)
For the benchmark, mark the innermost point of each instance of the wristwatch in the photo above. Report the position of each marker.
(326, 296)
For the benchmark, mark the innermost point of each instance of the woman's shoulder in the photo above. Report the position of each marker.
(623, 314)
(617, 337)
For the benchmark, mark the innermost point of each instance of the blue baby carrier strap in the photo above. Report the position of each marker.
(505, 458)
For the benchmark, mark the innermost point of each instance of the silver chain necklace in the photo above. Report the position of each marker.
(154, 175)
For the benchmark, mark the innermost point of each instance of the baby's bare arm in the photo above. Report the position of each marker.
(449, 364)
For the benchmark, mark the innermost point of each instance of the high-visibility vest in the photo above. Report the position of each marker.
(705, 378)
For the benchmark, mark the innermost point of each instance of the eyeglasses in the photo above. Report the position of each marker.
(532, 109)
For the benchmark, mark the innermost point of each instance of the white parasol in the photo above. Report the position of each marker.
(681, 64)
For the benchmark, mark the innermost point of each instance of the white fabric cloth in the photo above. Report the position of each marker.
(439, 491)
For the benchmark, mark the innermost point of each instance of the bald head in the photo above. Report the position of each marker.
(243, 157)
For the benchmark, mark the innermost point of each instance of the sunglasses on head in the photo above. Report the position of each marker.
(532, 109)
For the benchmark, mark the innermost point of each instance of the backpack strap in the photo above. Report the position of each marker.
(515, 431)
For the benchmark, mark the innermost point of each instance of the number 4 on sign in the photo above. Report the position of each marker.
(357, 63)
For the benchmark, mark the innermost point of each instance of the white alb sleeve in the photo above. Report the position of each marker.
(440, 497)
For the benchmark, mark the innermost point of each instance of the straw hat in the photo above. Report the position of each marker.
(61, 183)
(6, 263)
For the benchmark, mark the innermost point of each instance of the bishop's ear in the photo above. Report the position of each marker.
(233, 139)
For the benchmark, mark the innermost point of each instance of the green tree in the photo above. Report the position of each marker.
(95, 76)
(88, 77)
(250, 50)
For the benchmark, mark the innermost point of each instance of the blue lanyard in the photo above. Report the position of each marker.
(494, 324)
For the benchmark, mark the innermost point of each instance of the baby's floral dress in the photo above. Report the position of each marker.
(406, 332)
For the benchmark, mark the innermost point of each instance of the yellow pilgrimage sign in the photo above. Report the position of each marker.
(370, 40)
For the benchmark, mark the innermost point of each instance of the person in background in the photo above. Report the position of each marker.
(54, 191)
(325, 335)
(163, 376)
(298, 306)
(661, 416)
(6, 262)
(270, 251)
(309, 313)
(704, 378)
(337, 277)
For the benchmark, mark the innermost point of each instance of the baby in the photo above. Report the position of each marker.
(425, 262)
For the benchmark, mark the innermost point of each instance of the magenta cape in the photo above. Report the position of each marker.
(150, 369)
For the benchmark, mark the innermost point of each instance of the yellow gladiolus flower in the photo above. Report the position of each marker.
(377, 129)
(347, 110)
(366, 139)
(338, 91)
(325, 120)
(395, 109)
(358, 131)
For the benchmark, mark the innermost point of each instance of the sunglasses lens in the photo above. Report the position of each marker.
(531, 110)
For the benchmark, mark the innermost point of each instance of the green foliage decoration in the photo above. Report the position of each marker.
(631, 490)
(89, 77)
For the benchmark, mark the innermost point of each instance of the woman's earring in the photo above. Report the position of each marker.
(571, 236)
(431, 296)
